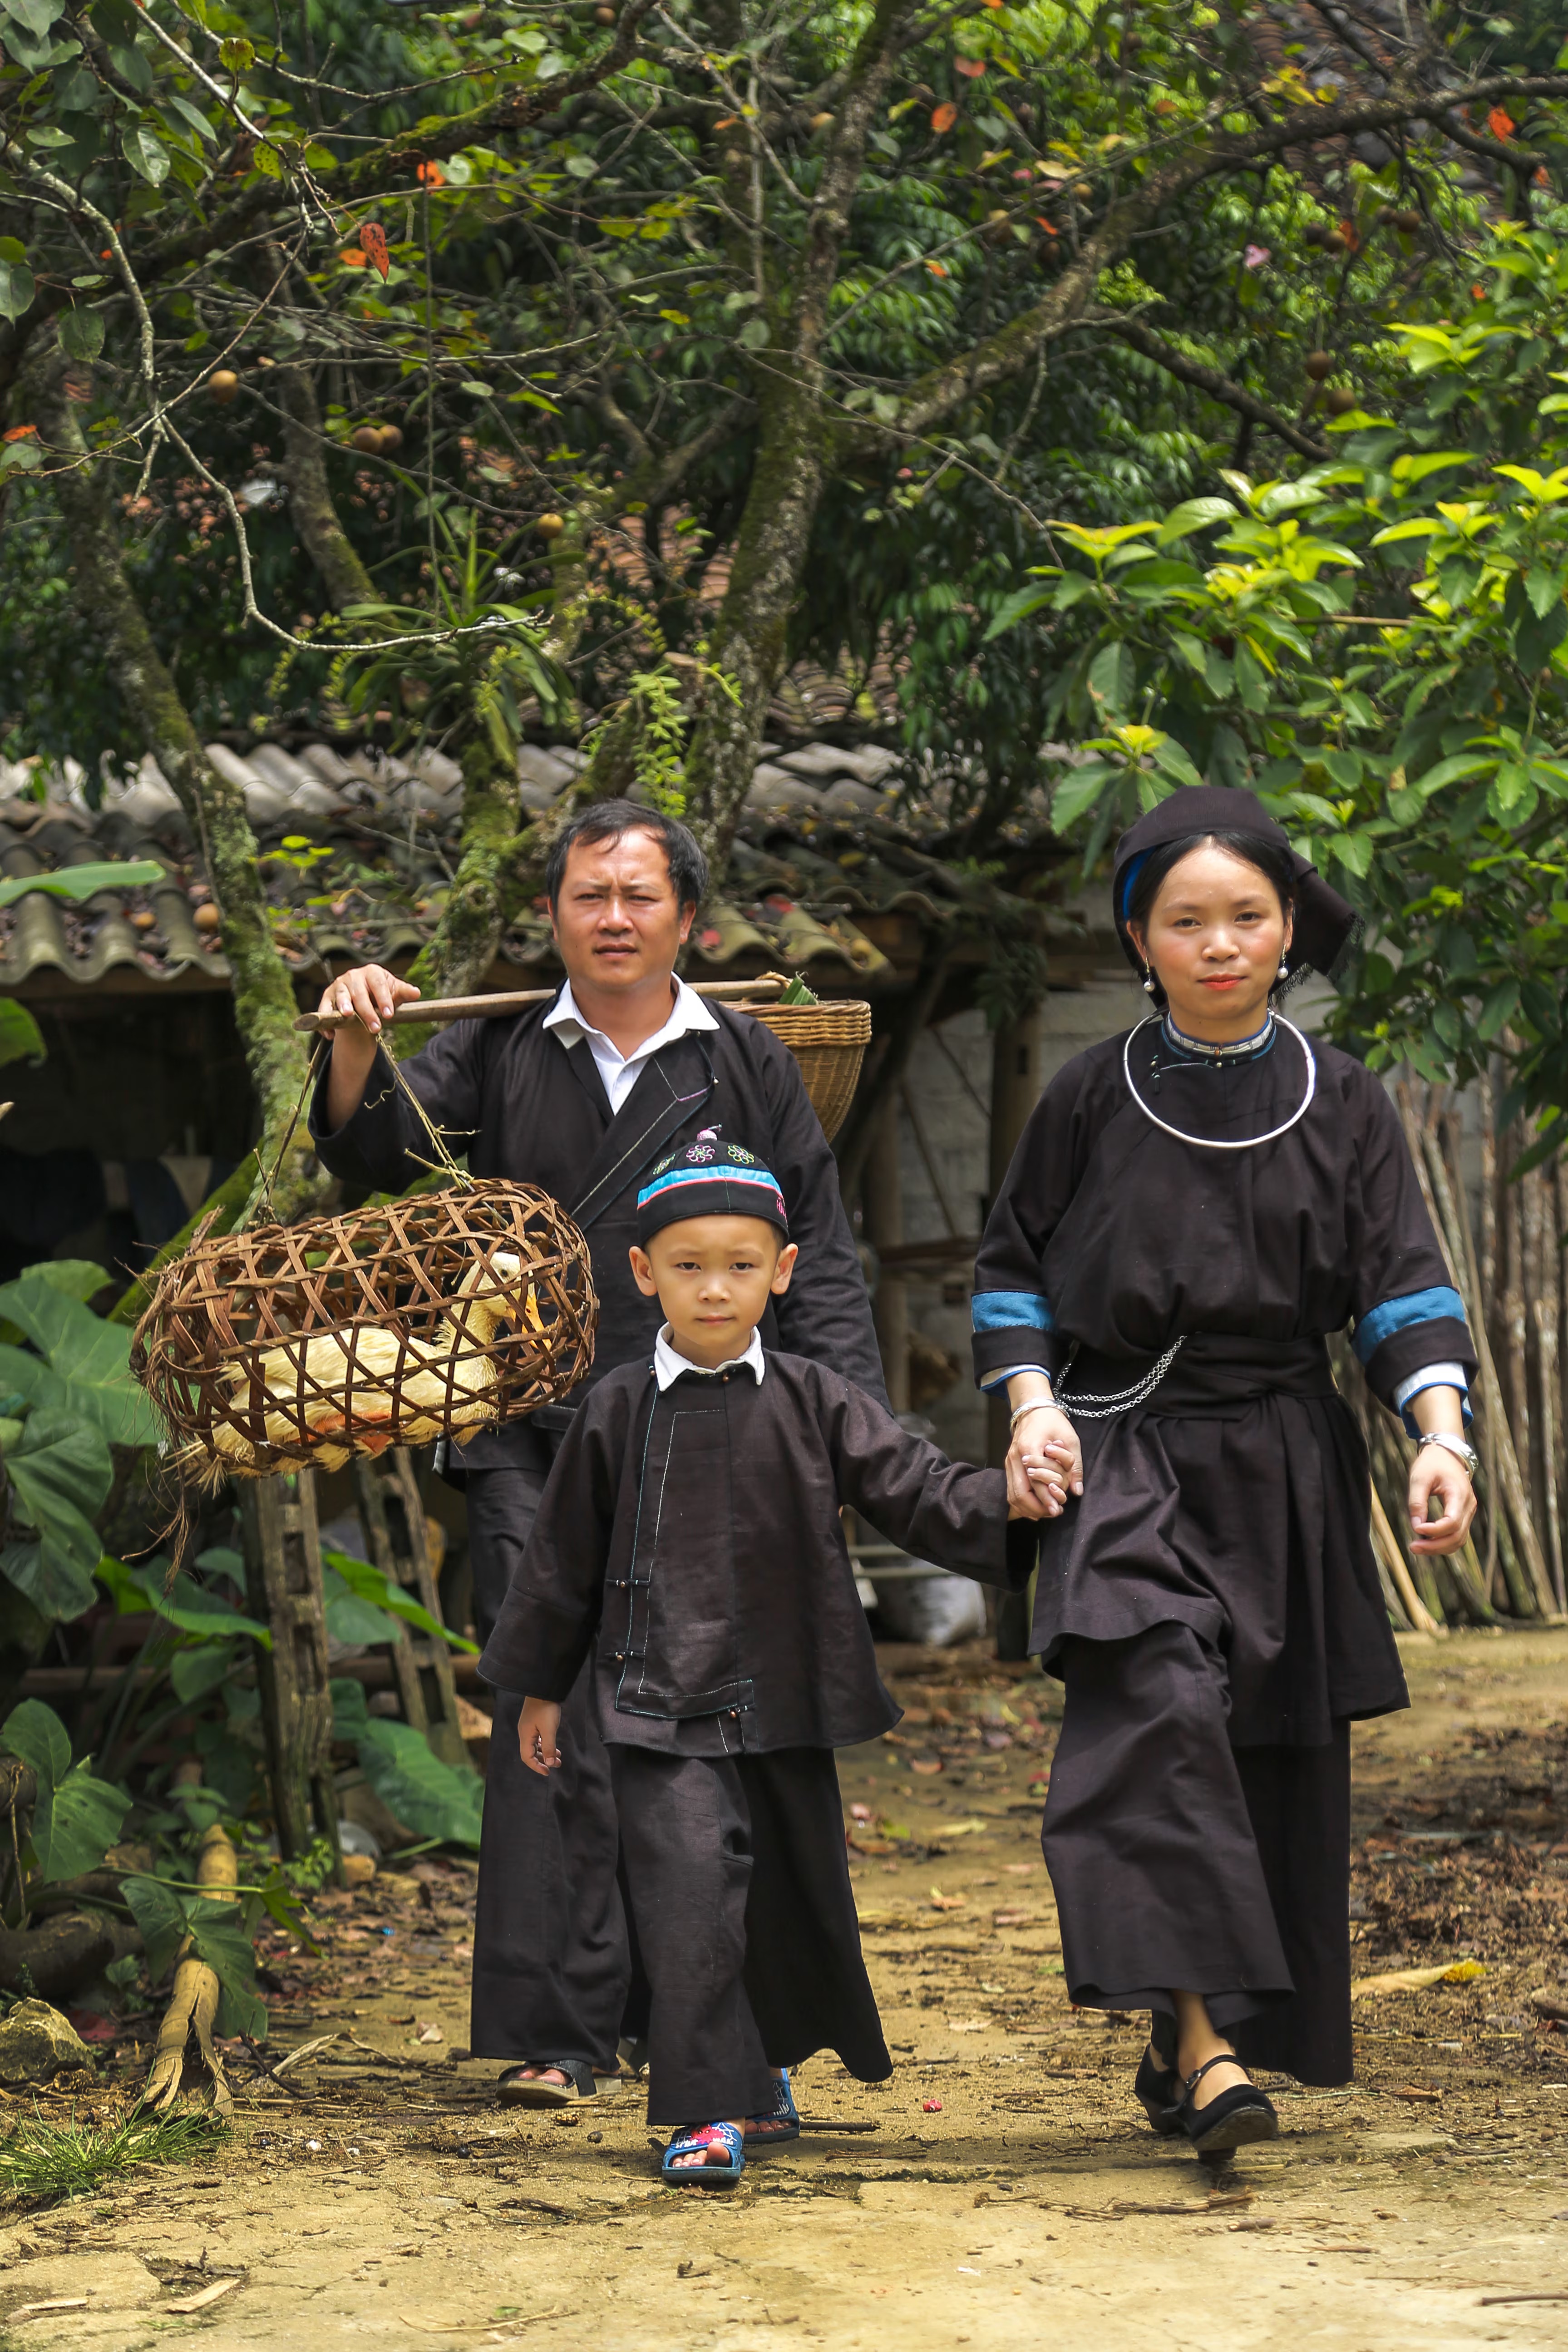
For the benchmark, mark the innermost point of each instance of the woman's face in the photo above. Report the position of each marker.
(1214, 938)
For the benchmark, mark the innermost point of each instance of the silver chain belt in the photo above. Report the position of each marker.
(1105, 1408)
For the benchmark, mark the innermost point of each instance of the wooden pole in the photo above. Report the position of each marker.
(882, 1200)
(282, 1588)
(394, 1519)
(501, 1002)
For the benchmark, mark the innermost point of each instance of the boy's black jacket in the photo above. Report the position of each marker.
(692, 1539)
(521, 1105)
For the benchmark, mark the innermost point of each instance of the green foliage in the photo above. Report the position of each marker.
(215, 1932)
(357, 1582)
(432, 1798)
(1379, 645)
(193, 1608)
(20, 1036)
(76, 1818)
(79, 882)
(44, 2163)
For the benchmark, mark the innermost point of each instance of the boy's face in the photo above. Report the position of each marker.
(713, 1276)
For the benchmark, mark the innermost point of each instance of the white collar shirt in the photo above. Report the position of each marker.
(620, 1071)
(669, 1363)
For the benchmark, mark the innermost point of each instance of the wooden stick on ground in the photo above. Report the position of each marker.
(194, 2002)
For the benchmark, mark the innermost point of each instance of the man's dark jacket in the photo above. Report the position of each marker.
(522, 1104)
(690, 1538)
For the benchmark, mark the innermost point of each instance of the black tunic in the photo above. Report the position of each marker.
(691, 1538)
(523, 1106)
(1235, 1498)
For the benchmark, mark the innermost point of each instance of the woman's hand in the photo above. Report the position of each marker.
(1045, 1461)
(539, 1729)
(1438, 1476)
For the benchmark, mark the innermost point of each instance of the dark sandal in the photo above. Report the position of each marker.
(1236, 2119)
(516, 2089)
(1158, 2089)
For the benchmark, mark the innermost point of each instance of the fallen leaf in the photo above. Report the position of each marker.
(1418, 1980)
(940, 1902)
(208, 2295)
(1011, 1918)
(429, 2030)
(927, 1767)
(930, 2106)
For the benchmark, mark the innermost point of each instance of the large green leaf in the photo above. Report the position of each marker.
(84, 881)
(76, 1818)
(60, 1472)
(430, 1798)
(188, 1605)
(349, 1619)
(89, 1356)
(218, 1935)
(368, 1583)
(20, 1035)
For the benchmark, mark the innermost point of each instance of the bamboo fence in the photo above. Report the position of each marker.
(1506, 1261)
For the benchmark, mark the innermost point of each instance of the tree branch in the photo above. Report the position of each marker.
(1207, 379)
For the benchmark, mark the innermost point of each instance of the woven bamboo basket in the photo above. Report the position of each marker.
(293, 1347)
(828, 1041)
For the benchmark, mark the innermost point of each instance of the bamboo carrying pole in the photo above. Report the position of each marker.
(515, 999)
(194, 2002)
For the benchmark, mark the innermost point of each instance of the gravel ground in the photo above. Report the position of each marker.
(1002, 2186)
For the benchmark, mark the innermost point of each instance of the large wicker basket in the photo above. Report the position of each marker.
(294, 1346)
(828, 1041)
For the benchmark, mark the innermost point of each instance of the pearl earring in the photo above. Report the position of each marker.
(1284, 972)
(1150, 983)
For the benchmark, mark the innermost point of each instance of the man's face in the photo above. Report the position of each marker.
(617, 922)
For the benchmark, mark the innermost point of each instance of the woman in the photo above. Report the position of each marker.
(1190, 1209)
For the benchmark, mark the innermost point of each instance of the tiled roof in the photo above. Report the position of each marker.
(836, 870)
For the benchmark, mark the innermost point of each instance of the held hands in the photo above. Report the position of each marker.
(1438, 1476)
(539, 1731)
(1044, 1465)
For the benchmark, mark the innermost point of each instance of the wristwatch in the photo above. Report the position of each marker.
(1457, 1446)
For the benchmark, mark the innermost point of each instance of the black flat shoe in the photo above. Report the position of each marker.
(1236, 2119)
(1158, 2091)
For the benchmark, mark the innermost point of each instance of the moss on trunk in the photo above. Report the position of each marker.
(263, 990)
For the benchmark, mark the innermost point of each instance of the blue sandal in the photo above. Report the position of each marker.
(705, 2176)
(783, 2114)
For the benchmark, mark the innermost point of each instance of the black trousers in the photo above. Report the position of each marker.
(746, 1923)
(556, 1972)
(1178, 1860)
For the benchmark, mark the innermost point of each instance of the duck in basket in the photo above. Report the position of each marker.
(374, 1387)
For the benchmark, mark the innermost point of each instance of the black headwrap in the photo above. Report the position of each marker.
(1324, 925)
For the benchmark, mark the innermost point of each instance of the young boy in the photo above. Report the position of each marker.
(690, 1535)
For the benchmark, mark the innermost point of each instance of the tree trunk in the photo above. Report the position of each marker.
(263, 990)
(311, 506)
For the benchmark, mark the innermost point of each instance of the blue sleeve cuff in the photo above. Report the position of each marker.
(1381, 1322)
(1431, 1376)
(1010, 1310)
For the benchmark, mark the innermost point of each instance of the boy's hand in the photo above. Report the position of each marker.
(538, 1727)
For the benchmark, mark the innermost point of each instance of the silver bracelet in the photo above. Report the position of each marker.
(1035, 1404)
(1461, 1450)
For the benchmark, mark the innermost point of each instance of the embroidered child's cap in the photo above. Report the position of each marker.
(709, 1179)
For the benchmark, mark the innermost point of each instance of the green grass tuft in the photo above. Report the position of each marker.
(43, 2161)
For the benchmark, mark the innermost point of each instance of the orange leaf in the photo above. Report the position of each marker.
(944, 117)
(1499, 122)
(431, 175)
(373, 239)
(353, 258)
(728, 123)
(937, 268)
(23, 433)
(1045, 225)
(970, 68)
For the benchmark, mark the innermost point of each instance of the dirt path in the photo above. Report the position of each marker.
(1007, 2189)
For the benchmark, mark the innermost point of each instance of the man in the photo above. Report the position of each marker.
(581, 1098)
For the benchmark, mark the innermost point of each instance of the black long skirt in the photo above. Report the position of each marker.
(1180, 1860)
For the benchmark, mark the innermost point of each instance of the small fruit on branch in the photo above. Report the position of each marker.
(224, 386)
(1319, 364)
